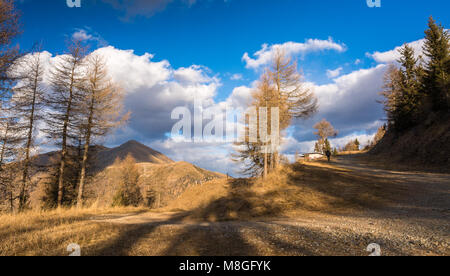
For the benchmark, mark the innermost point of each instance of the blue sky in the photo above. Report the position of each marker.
(215, 35)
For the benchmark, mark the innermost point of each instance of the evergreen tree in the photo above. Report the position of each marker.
(357, 144)
(437, 73)
(327, 146)
(317, 148)
(410, 100)
(402, 91)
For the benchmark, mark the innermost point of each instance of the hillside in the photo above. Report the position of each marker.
(426, 146)
(160, 177)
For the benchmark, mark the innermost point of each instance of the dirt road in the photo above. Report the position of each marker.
(417, 223)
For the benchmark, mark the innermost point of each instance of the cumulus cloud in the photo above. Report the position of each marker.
(81, 35)
(349, 103)
(266, 54)
(240, 97)
(192, 74)
(212, 156)
(393, 55)
(154, 88)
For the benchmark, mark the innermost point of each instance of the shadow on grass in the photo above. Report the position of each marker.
(230, 223)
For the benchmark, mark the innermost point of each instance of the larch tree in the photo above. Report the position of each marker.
(9, 30)
(291, 93)
(28, 102)
(128, 192)
(9, 150)
(324, 131)
(264, 99)
(280, 86)
(256, 156)
(102, 110)
(65, 101)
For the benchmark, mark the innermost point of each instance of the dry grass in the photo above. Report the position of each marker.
(304, 190)
(50, 232)
(290, 191)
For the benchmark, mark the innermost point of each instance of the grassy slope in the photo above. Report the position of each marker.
(316, 186)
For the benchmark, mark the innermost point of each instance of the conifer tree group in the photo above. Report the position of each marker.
(420, 85)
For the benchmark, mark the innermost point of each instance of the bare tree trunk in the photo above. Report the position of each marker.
(4, 141)
(22, 197)
(11, 202)
(85, 154)
(61, 175)
(64, 142)
(102, 110)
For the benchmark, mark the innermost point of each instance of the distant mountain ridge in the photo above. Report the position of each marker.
(157, 173)
(105, 157)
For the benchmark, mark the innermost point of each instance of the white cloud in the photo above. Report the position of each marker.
(393, 55)
(349, 103)
(212, 156)
(81, 35)
(154, 88)
(192, 74)
(240, 97)
(334, 73)
(265, 55)
(88, 35)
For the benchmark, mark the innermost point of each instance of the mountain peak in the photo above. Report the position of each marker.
(132, 143)
(140, 152)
